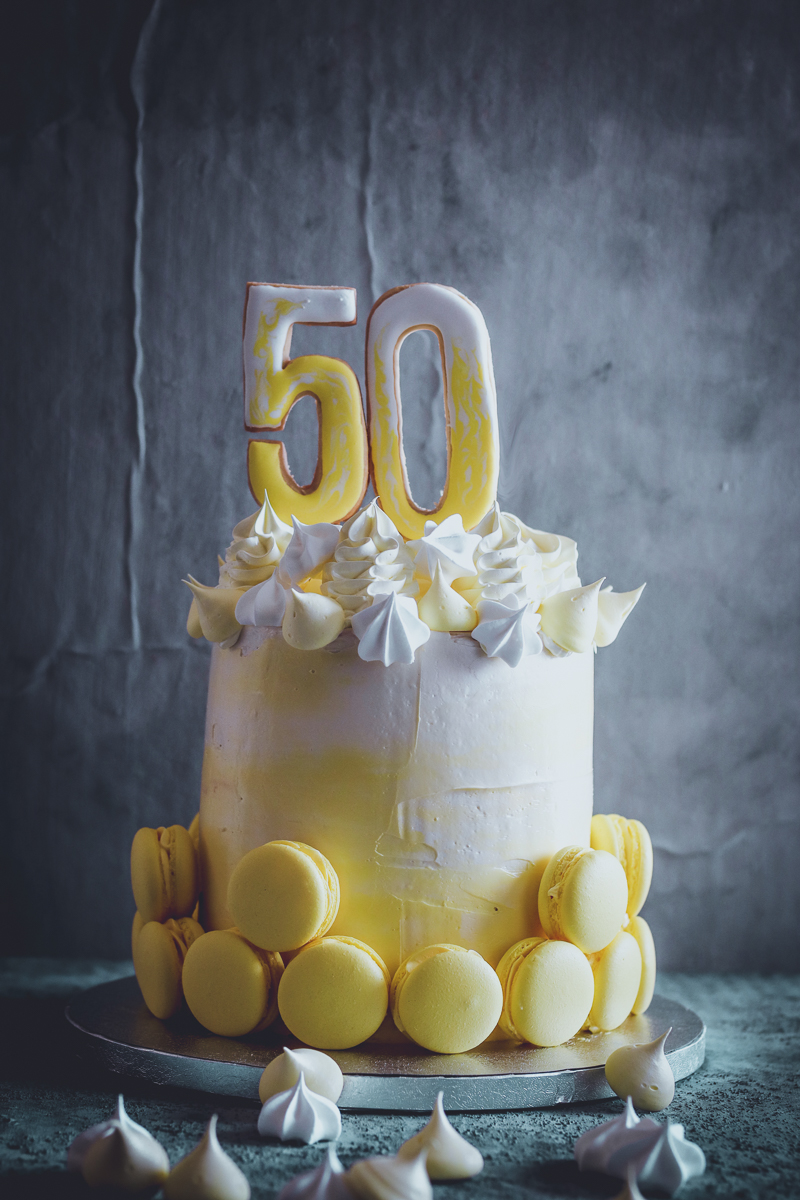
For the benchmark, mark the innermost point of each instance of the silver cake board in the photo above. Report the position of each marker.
(119, 1033)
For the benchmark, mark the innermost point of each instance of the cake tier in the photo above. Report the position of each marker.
(438, 790)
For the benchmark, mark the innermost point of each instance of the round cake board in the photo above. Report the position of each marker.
(120, 1034)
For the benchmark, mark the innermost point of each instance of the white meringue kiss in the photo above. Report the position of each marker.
(448, 545)
(659, 1156)
(570, 618)
(216, 611)
(325, 1183)
(389, 631)
(385, 1178)
(449, 1155)
(207, 1173)
(311, 620)
(310, 546)
(643, 1073)
(444, 610)
(613, 610)
(300, 1115)
(322, 1074)
(508, 629)
(119, 1153)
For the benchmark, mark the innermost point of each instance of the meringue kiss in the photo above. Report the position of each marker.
(386, 1178)
(643, 1073)
(300, 1115)
(322, 1074)
(207, 1173)
(450, 1156)
(326, 1183)
(119, 1153)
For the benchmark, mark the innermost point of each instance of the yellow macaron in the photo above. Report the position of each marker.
(640, 930)
(164, 873)
(446, 998)
(230, 985)
(159, 951)
(630, 843)
(548, 989)
(617, 971)
(283, 895)
(582, 897)
(334, 993)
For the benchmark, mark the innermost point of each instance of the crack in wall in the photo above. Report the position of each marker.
(137, 85)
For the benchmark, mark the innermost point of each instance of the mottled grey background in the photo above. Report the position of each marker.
(615, 184)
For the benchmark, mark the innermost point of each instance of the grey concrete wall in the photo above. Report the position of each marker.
(615, 184)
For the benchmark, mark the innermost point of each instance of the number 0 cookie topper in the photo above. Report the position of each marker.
(470, 403)
(273, 383)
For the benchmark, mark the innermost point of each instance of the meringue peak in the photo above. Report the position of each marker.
(449, 1155)
(119, 1153)
(613, 610)
(570, 618)
(207, 1173)
(508, 629)
(643, 1074)
(300, 1115)
(448, 544)
(443, 609)
(322, 1074)
(311, 620)
(324, 1183)
(390, 1178)
(389, 630)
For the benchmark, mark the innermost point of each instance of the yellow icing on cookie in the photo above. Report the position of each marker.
(470, 404)
(273, 385)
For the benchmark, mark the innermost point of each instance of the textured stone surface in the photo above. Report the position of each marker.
(742, 1106)
(614, 184)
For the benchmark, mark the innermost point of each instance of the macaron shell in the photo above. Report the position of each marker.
(587, 899)
(229, 984)
(136, 929)
(446, 999)
(629, 842)
(550, 887)
(334, 993)
(550, 994)
(158, 962)
(640, 930)
(164, 873)
(507, 969)
(282, 895)
(617, 975)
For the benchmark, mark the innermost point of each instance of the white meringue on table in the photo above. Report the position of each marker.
(207, 1173)
(325, 1183)
(613, 1145)
(389, 631)
(322, 1074)
(386, 1178)
(300, 1115)
(643, 1073)
(672, 1161)
(450, 1156)
(119, 1153)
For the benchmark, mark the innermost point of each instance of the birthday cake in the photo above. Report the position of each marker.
(395, 831)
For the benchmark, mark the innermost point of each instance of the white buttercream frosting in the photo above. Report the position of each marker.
(369, 560)
(385, 1178)
(449, 1155)
(119, 1153)
(643, 1073)
(389, 631)
(257, 545)
(325, 1183)
(322, 1074)
(300, 1115)
(507, 561)
(207, 1173)
(508, 629)
(446, 545)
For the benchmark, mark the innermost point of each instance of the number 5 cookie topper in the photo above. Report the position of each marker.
(469, 398)
(273, 383)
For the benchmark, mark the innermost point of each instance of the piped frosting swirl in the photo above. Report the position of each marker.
(370, 560)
